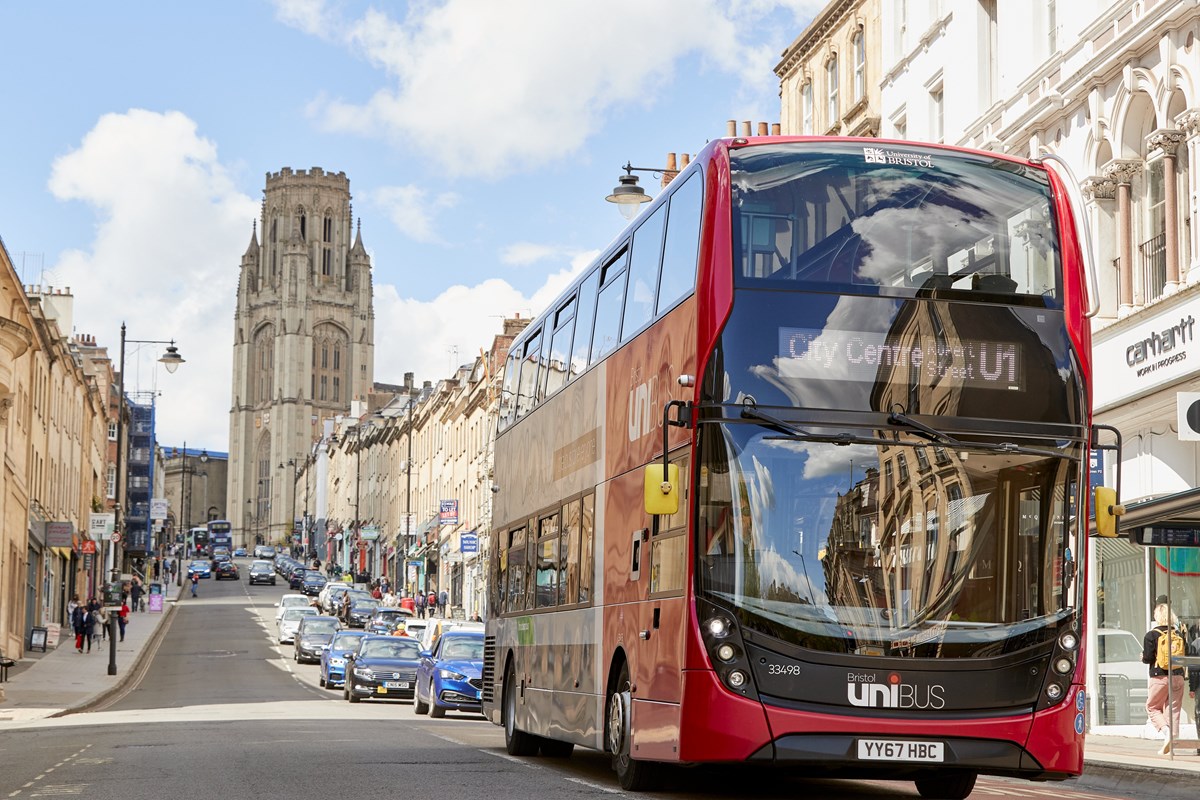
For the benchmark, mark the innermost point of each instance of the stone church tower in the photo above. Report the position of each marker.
(304, 334)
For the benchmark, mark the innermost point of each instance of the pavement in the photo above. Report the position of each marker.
(62, 681)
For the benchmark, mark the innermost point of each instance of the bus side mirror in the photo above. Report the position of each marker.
(1108, 511)
(661, 496)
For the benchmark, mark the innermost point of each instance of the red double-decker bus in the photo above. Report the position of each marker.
(794, 475)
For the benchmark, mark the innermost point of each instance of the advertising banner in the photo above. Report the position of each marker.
(154, 603)
(449, 513)
(60, 534)
(469, 542)
(100, 526)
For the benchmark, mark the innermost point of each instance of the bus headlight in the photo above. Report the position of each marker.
(1063, 666)
(718, 627)
(726, 652)
(1068, 641)
(737, 679)
(1054, 691)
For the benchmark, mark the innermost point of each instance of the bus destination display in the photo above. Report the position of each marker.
(861, 356)
(1168, 534)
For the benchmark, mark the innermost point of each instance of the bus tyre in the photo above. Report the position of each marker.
(946, 785)
(632, 774)
(516, 742)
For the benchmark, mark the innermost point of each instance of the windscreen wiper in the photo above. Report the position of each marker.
(900, 419)
(750, 412)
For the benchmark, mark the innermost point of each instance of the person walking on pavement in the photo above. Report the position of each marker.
(122, 619)
(101, 625)
(1162, 642)
(419, 604)
(78, 617)
(195, 583)
(431, 603)
(89, 626)
(443, 601)
(135, 593)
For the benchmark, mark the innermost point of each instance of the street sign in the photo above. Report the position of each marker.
(115, 538)
(158, 508)
(101, 525)
(469, 542)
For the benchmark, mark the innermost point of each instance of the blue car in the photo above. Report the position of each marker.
(451, 676)
(333, 659)
(201, 568)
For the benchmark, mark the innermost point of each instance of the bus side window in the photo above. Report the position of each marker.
(608, 307)
(558, 349)
(586, 552)
(546, 579)
(682, 244)
(516, 571)
(568, 570)
(643, 274)
(527, 384)
(508, 393)
(584, 316)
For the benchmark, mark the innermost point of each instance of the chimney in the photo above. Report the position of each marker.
(731, 128)
(685, 160)
(408, 382)
(746, 128)
(775, 129)
(762, 129)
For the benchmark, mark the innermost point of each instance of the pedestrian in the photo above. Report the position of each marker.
(443, 601)
(123, 619)
(78, 616)
(384, 585)
(431, 603)
(89, 626)
(157, 570)
(101, 624)
(71, 604)
(419, 605)
(377, 593)
(1162, 642)
(195, 583)
(1194, 681)
(135, 594)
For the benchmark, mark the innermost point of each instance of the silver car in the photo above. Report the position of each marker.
(290, 621)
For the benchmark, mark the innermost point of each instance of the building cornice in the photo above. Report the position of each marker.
(811, 37)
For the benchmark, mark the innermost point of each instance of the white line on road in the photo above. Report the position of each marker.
(592, 785)
(513, 759)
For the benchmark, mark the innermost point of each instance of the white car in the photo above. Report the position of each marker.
(1123, 677)
(289, 601)
(290, 622)
(436, 627)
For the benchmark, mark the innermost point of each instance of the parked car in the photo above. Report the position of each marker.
(333, 659)
(226, 569)
(452, 675)
(1123, 677)
(289, 601)
(434, 629)
(384, 666)
(313, 583)
(296, 578)
(385, 620)
(361, 609)
(327, 596)
(262, 572)
(239, 552)
(201, 568)
(264, 551)
(313, 636)
(290, 622)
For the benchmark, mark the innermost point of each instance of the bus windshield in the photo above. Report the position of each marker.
(906, 549)
(893, 219)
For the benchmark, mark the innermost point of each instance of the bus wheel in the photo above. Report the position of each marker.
(516, 742)
(632, 774)
(946, 785)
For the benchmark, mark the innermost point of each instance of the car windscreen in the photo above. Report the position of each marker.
(321, 626)
(297, 613)
(346, 641)
(390, 649)
(462, 649)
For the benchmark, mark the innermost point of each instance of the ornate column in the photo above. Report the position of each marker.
(1168, 140)
(1094, 189)
(1189, 124)
(1121, 172)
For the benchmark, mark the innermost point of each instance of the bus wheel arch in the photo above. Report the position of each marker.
(633, 774)
(516, 741)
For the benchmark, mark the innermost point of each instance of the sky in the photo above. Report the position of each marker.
(480, 138)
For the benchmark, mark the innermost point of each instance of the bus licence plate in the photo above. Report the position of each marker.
(900, 750)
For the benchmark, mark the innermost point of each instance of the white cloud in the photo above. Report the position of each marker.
(490, 88)
(412, 209)
(168, 218)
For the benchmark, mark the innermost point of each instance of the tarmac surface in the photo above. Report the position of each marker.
(61, 682)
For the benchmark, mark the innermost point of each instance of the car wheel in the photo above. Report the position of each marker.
(419, 705)
(353, 698)
(321, 681)
(435, 711)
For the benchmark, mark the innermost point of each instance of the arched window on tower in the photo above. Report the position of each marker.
(327, 247)
(274, 249)
(262, 380)
(330, 346)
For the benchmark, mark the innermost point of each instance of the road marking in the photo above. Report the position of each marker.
(507, 757)
(60, 789)
(593, 785)
(82, 761)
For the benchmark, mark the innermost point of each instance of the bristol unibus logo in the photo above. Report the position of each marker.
(865, 691)
(878, 155)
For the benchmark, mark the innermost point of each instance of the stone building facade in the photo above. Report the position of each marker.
(303, 342)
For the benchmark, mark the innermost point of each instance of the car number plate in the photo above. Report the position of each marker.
(396, 685)
(900, 750)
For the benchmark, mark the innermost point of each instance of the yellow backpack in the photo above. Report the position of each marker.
(1170, 644)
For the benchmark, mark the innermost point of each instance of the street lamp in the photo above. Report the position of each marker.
(171, 360)
(291, 462)
(185, 474)
(627, 194)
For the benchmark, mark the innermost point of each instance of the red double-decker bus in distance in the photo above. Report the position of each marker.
(794, 475)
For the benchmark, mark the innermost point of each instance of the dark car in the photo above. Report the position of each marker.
(295, 578)
(226, 569)
(313, 637)
(386, 620)
(384, 666)
(262, 572)
(313, 583)
(361, 609)
(451, 677)
(333, 659)
(220, 557)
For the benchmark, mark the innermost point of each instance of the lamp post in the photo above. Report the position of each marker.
(627, 194)
(187, 474)
(171, 360)
(291, 462)
(409, 535)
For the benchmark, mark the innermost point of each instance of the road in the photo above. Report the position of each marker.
(222, 711)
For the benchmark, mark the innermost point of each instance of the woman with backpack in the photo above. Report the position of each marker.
(1162, 642)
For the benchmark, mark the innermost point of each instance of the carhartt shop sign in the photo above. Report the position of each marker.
(1161, 349)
